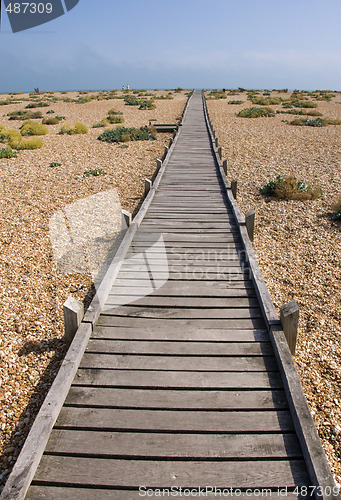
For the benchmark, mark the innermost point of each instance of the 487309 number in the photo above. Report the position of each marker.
(29, 8)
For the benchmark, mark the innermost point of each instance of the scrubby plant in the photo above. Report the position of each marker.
(303, 112)
(235, 102)
(35, 143)
(94, 171)
(317, 122)
(50, 112)
(33, 128)
(147, 104)
(7, 153)
(78, 128)
(51, 121)
(63, 92)
(131, 101)
(256, 112)
(289, 188)
(102, 123)
(265, 101)
(115, 117)
(304, 104)
(15, 140)
(40, 104)
(24, 115)
(54, 164)
(123, 134)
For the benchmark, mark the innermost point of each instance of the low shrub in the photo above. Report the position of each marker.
(304, 104)
(51, 121)
(50, 112)
(12, 137)
(123, 134)
(235, 102)
(78, 128)
(40, 104)
(256, 112)
(131, 100)
(94, 171)
(100, 124)
(289, 188)
(35, 143)
(114, 119)
(147, 104)
(265, 101)
(7, 153)
(317, 122)
(54, 164)
(24, 115)
(303, 112)
(33, 128)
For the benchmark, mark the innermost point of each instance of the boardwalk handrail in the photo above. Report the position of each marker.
(315, 458)
(28, 460)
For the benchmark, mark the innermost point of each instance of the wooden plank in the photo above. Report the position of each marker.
(183, 348)
(177, 379)
(190, 325)
(134, 473)
(173, 445)
(194, 363)
(184, 399)
(185, 287)
(185, 302)
(133, 311)
(180, 334)
(177, 421)
(56, 493)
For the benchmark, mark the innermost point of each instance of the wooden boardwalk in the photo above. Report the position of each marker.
(184, 387)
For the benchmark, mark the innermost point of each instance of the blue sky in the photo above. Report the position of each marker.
(103, 44)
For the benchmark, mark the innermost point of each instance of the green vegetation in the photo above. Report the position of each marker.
(40, 104)
(147, 104)
(317, 122)
(35, 143)
(256, 112)
(7, 153)
(235, 102)
(123, 134)
(24, 115)
(304, 104)
(33, 128)
(114, 117)
(265, 101)
(50, 112)
(289, 188)
(217, 94)
(54, 164)
(94, 171)
(78, 128)
(304, 112)
(51, 121)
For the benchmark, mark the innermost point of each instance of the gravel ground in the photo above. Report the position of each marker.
(32, 288)
(297, 244)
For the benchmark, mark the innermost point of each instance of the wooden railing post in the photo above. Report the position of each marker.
(250, 223)
(220, 151)
(158, 164)
(216, 141)
(289, 320)
(234, 189)
(126, 218)
(147, 186)
(225, 166)
(73, 311)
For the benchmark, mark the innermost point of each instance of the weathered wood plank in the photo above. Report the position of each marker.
(180, 334)
(134, 473)
(171, 420)
(133, 311)
(184, 399)
(190, 325)
(184, 348)
(55, 493)
(177, 379)
(187, 363)
(173, 445)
